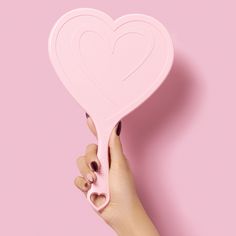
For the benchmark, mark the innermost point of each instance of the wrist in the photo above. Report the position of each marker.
(136, 222)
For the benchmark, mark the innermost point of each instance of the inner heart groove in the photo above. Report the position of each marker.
(113, 49)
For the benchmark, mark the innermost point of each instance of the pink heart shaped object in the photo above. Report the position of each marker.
(110, 68)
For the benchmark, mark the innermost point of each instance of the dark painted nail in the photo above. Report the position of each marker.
(109, 157)
(87, 115)
(86, 185)
(118, 128)
(94, 165)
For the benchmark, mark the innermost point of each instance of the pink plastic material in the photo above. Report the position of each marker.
(110, 67)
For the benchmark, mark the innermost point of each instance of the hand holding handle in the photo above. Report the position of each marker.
(101, 186)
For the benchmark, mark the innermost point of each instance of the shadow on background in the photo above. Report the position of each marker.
(164, 116)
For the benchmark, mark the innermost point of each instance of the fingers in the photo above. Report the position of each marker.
(114, 143)
(82, 184)
(114, 139)
(115, 146)
(89, 163)
(116, 149)
(91, 157)
(85, 171)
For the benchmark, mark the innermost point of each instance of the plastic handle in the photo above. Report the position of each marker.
(101, 186)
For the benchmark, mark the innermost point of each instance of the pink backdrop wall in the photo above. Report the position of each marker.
(181, 142)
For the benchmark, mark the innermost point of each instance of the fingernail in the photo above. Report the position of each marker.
(87, 115)
(89, 178)
(118, 128)
(94, 165)
(86, 185)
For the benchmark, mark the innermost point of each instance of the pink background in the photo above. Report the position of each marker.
(181, 142)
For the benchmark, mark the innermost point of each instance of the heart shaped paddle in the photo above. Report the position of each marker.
(110, 67)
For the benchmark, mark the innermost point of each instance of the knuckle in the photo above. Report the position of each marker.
(77, 181)
(81, 184)
(80, 160)
(91, 147)
(90, 156)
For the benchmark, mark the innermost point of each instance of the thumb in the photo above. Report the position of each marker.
(115, 146)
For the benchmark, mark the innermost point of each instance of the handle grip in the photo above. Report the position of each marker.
(101, 186)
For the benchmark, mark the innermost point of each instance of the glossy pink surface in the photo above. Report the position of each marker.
(181, 142)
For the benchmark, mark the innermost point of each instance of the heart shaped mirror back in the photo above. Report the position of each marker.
(110, 67)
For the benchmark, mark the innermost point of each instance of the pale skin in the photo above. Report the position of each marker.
(125, 212)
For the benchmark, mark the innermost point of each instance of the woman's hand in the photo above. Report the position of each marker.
(124, 212)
